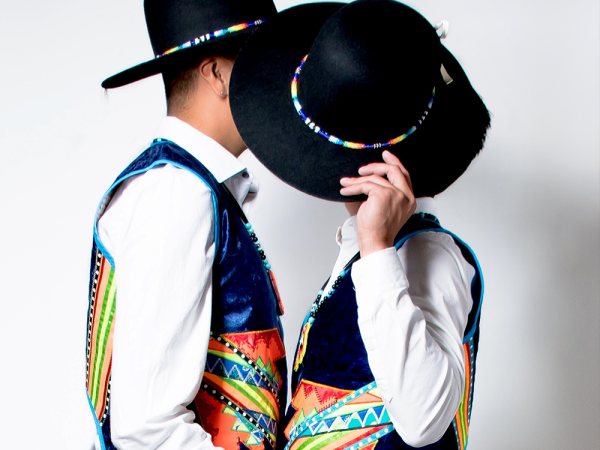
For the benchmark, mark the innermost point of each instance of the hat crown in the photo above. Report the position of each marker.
(370, 72)
(173, 22)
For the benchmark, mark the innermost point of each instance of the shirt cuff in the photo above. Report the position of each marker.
(374, 276)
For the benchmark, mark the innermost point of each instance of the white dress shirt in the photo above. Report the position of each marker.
(159, 228)
(413, 306)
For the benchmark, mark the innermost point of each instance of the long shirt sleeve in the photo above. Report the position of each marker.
(159, 228)
(413, 307)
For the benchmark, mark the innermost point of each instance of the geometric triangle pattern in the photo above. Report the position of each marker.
(311, 398)
(355, 420)
(358, 419)
(238, 400)
(264, 349)
(235, 370)
(265, 421)
(242, 356)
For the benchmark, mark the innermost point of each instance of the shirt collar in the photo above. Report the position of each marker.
(346, 234)
(426, 205)
(222, 164)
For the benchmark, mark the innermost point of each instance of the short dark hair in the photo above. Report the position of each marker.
(182, 76)
(444, 146)
(179, 86)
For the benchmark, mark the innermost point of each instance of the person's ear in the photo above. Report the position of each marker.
(214, 72)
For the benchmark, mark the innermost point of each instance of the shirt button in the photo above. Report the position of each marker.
(371, 346)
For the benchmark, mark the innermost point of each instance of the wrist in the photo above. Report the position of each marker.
(368, 246)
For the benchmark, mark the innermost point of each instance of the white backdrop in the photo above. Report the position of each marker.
(529, 206)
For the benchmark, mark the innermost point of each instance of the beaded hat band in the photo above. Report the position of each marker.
(335, 140)
(214, 34)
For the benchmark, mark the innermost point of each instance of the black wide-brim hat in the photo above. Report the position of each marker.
(369, 77)
(182, 32)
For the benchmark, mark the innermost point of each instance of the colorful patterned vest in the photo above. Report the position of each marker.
(336, 403)
(243, 392)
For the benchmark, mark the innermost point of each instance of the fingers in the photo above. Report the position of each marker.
(388, 172)
(392, 169)
(362, 187)
(366, 184)
(375, 178)
(390, 158)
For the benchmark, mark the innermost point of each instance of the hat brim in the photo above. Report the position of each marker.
(180, 58)
(264, 113)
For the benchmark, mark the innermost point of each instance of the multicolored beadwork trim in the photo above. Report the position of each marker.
(335, 140)
(214, 34)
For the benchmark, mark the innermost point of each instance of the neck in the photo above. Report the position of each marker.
(352, 207)
(215, 125)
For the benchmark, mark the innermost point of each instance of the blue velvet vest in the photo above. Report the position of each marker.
(336, 402)
(242, 395)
